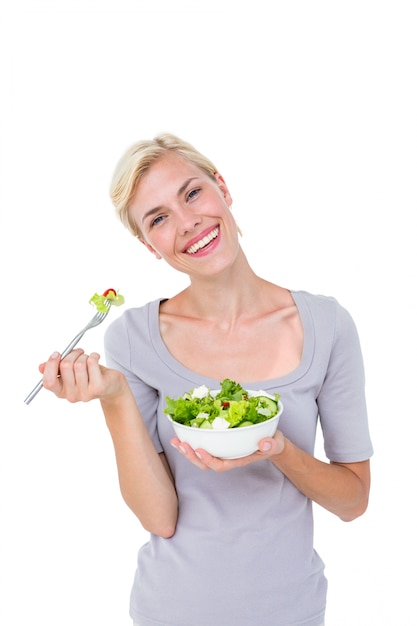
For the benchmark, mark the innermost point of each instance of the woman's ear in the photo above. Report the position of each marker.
(223, 188)
(149, 247)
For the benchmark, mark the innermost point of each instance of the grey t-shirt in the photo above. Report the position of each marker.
(243, 553)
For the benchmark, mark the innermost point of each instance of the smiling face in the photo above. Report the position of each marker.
(184, 216)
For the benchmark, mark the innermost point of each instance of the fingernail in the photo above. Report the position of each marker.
(198, 455)
(266, 446)
(54, 355)
(178, 447)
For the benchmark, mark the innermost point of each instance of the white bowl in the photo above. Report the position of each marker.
(231, 443)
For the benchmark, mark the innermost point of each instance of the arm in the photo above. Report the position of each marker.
(341, 488)
(145, 480)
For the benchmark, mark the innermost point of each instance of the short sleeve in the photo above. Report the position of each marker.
(341, 400)
(118, 351)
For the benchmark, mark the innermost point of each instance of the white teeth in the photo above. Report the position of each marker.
(203, 242)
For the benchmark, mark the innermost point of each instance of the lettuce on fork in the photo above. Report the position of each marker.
(111, 295)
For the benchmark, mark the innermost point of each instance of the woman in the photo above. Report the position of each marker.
(231, 541)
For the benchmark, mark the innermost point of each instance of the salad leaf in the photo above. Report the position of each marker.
(231, 390)
(99, 300)
(231, 407)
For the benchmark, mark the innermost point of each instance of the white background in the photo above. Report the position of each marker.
(308, 108)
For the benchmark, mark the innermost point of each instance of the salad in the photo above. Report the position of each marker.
(230, 407)
(99, 301)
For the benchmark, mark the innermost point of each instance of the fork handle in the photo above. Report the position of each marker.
(64, 353)
(73, 343)
(34, 392)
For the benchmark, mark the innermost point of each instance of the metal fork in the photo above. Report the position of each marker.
(95, 321)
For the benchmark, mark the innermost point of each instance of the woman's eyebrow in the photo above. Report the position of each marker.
(179, 192)
(185, 185)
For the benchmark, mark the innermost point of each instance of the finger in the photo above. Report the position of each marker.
(66, 367)
(81, 378)
(222, 465)
(93, 368)
(186, 450)
(67, 378)
(50, 371)
(95, 375)
(209, 461)
(270, 446)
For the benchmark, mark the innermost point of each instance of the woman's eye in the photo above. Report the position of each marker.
(193, 193)
(157, 220)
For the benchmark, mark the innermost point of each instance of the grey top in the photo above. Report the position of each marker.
(243, 553)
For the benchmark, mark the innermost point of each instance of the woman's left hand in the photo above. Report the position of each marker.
(267, 448)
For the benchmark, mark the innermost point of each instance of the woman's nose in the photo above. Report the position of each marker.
(187, 222)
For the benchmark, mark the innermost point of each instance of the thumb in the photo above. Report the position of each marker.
(273, 445)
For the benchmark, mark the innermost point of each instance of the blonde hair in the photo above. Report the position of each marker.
(137, 160)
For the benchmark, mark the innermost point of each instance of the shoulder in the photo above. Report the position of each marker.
(133, 321)
(314, 300)
(326, 313)
(319, 304)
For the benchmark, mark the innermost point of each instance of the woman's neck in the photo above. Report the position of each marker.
(227, 296)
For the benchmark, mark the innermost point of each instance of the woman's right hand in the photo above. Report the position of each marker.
(80, 377)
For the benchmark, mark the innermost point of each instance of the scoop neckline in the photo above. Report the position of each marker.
(198, 379)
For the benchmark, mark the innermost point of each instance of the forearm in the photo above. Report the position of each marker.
(145, 481)
(342, 489)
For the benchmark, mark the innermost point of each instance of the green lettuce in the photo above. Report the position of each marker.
(110, 297)
(199, 408)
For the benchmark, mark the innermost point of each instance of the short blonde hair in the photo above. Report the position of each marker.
(137, 160)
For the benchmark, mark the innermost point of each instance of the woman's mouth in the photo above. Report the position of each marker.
(203, 242)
